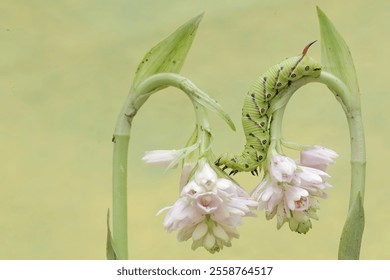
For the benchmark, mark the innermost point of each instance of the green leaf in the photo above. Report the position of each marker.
(169, 54)
(336, 56)
(351, 237)
(110, 251)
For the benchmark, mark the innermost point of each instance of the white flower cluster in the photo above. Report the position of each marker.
(291, 189)
(210, 208)
(208, 211)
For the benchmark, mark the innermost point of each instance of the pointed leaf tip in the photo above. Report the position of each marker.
(335, 53)
(168, 55)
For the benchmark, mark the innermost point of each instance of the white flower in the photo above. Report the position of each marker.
(282, 168)
(206, 177)
(208, 211)
(268, 194)
(290, 192)
(207, 202)
(297, 198)
(317, 157)
(192, 189)
(160, 157)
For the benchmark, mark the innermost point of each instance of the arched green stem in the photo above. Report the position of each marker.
(136, 98)
(350, 241)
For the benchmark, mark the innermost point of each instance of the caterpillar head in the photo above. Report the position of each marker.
(309, 66)
(306, 66)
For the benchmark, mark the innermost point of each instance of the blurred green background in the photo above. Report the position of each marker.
(65, 70)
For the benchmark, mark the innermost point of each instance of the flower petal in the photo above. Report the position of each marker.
(185, 233)
(282, 168)
(159, 157)
(206, 177)
(163, 209)
(192, 189)
(317, 156)
(308, 175)
(275, 200)
(256, 193)
(200, 231)
(209, 241)
(293, 195)
(207, 202)
(220, 233)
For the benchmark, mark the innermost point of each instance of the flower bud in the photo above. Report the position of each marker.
(282, 168)
(160, 157)
(317, 157)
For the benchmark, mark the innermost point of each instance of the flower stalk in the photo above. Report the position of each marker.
(121, 137)
(350, 241)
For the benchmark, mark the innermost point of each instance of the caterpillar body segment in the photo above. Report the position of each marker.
(256, 119)
(243, 162)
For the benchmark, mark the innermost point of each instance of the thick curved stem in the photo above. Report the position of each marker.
(121, 137)
(350, 240)
(352, 111)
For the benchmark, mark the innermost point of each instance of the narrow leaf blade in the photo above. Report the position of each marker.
(212, 105)
(351, 237)
(336, 56)
(169, 54)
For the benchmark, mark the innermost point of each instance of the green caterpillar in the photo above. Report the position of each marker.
(255, 120)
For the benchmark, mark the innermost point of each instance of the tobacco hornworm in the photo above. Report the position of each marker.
(256, 119)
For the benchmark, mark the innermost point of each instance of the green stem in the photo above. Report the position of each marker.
(204, 133)
(352, 111)
(350, 241)
(121, 138)
(351, 236)
(119, 195)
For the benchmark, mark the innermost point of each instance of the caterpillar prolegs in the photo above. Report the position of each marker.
(256, 119)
